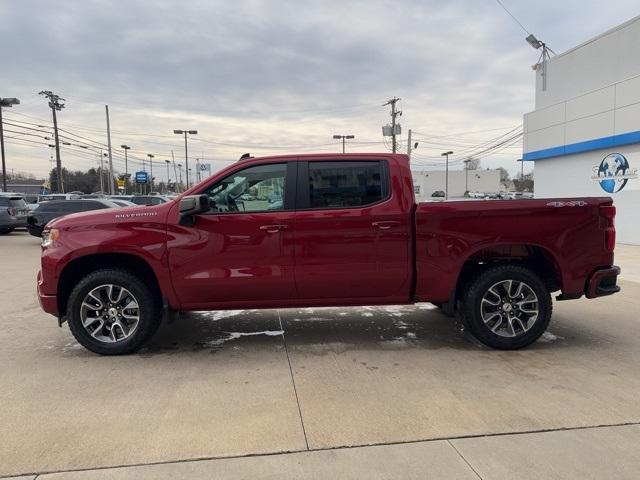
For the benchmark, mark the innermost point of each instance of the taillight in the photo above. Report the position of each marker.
(608, 214)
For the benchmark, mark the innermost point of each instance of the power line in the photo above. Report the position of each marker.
(513, 16)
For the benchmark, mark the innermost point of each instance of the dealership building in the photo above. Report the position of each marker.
(584, 134)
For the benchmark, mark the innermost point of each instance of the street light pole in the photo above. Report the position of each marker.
(126, 166)
(180, 170)
(186, 152)
(151, 168)
(521, 160)
(168, 179)
(5, 102)
(466, 174)
(446, 175)
(343, 137)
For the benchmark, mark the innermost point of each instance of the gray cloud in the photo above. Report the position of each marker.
(281, 72)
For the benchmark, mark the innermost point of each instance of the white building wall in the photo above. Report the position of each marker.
(571, 175)
(590, 109)
(478, 181)
(604, 60)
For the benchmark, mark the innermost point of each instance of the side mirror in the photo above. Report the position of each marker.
(192, 205)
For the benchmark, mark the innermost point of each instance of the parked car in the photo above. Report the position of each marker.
(349, 232)
(123, 203)
(58, 196)
(13, 212)
(148, 199)
(438, 194)
(48, 211)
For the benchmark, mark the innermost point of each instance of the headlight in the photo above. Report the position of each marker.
(49, 237)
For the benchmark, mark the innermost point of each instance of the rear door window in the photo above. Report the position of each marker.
(346, 184)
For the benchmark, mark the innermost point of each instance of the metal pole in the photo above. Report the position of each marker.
(409, 143)
(168, 179)
(186, 158)
(101, 171)
(393, 126)
(343, 141)
(4, 166)
(175, 173)
(466, 175)
(150, 168)
(58, 161)
(446, 179)
(111, 192)
(126, 170)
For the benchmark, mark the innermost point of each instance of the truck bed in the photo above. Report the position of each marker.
(449, 234)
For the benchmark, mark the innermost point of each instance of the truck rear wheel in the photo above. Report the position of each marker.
(507, 307)
(112, 312)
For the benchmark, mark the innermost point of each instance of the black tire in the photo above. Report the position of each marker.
(471, 310)
(148, 301)
(4, 231)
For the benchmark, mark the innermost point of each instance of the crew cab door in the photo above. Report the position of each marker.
(352, 232)
(241, 251)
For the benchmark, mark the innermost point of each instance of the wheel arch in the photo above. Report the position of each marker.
(534, 257)
(81, 266)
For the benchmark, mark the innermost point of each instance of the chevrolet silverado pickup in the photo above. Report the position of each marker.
(324, 230)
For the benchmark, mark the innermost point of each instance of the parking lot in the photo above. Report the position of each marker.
(270, 393)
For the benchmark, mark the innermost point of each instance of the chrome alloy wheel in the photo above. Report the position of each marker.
(509, 308)
(110, 313)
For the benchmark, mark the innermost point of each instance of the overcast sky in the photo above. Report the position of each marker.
(276, 76)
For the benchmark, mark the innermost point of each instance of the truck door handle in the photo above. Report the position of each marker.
(385, 225)
(272, 228)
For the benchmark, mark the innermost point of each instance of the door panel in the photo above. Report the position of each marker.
(227, 258)
(242, 251)
(346, 250)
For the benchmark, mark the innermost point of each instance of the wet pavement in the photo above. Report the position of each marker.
(247, 382)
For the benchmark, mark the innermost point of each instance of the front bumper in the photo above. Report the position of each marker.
(603, 282)
(49, 303)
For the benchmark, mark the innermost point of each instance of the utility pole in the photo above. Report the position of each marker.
(197, 170)
(180, 170)
(5, 102)
(168, 179)
(394, 114)
(126, 166)
(409, 143)
(56, 106)
(143, 186)
(111, 192)
(186, 153)
(151, 168)
(446, 175)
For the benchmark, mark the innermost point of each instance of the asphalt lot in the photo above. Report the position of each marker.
(278, 394)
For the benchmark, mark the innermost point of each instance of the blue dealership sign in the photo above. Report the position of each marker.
(142, 177)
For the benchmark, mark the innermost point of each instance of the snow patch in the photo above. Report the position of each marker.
(548, 337)
(235, 335)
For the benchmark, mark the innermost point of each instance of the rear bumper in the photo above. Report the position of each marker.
(14, 222)
(49, 303)
(603, 282)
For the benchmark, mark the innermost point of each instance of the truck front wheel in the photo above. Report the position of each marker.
(507, 307)
(112, 312)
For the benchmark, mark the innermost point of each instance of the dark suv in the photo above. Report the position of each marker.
(13, 212)
(47, 211)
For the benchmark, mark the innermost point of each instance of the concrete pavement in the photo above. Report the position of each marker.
(254, 384)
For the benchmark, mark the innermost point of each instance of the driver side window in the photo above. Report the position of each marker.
(255, 189)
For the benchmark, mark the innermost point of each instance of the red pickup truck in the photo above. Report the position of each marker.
(324, 230)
